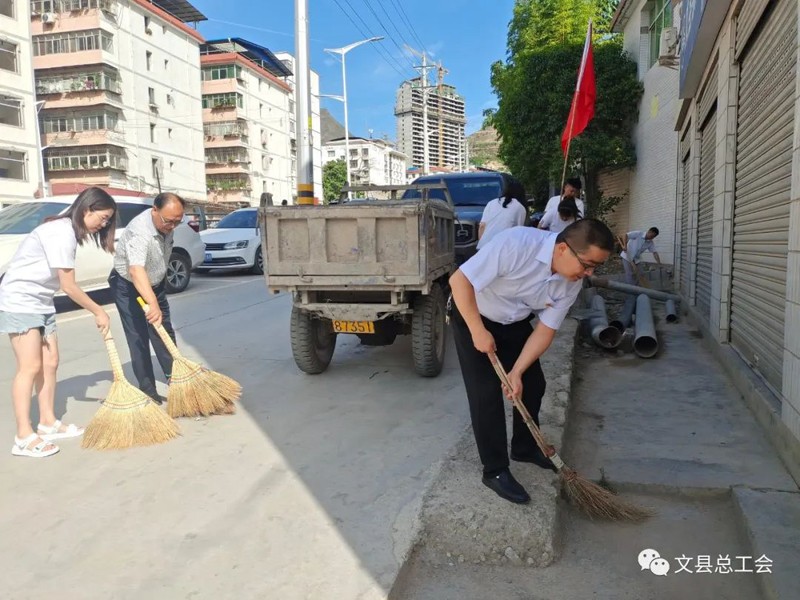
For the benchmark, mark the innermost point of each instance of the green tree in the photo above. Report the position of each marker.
(334, 178)
(535, 85)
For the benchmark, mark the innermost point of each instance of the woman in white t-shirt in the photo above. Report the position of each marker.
(503, 213)
(558, 220)
(43, 263)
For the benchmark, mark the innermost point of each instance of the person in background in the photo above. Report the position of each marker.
(284, 202)
(567, 214)
(502, 213)
(140, 269)
(637, 243)
(43, 263)
(572, 189)
(522, 271)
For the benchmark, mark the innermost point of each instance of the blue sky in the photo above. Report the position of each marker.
(466, 35)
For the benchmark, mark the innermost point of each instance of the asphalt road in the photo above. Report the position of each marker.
(311, 490)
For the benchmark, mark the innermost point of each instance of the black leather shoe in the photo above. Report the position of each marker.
(505, 486)
(158, 399)
(540, 460)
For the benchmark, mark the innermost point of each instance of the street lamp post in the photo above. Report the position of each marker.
(342, 52)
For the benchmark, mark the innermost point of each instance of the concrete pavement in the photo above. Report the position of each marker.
(312, 490)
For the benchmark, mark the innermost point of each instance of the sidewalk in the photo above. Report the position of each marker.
(672, 433)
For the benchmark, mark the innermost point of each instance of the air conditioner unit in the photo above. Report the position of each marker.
(668, 47)
(48, 17)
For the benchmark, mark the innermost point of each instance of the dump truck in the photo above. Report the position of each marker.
(375, 267)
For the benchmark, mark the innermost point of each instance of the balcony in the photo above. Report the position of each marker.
(227, 183)
(94, 158)
(223, 134)
(89, 46)
(220, 86)
(83, 138)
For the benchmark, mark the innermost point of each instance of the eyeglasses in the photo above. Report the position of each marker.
(168, 223)
(586, 266)
(103, 220)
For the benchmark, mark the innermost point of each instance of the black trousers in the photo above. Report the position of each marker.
(140, 334)
(486, 401)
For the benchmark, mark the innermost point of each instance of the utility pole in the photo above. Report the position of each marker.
(423, 69)
(440, 89)
(305, 155)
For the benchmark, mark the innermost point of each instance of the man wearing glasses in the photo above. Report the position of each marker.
(521, 272)
(140, 269)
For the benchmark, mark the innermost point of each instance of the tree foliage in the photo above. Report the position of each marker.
(334, 178)
(535, 85)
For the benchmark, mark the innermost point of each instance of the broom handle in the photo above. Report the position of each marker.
(171, 347)
(113, 357)
(548, 450)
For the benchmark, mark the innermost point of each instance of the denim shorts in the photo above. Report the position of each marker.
(14, 322)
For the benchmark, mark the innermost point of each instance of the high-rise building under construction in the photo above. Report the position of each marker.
(446, 120)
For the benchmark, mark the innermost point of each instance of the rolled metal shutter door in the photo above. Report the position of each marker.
(763, 189)
(687, 186)
(705, 217)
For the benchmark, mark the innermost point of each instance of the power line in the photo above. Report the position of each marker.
(402, 12)
(368, 4)
(378, 48)
(399, 33)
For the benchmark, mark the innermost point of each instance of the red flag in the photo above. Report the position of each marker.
(582, 109)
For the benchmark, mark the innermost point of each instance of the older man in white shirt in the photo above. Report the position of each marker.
(572, 189)
(637, 243)
(521, 272)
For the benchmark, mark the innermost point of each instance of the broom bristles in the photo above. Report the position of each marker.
(196, 391)
(598, 502)
(127, 418)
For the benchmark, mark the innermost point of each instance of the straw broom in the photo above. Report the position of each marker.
(193, 389)
(128, 417)
(593, 500)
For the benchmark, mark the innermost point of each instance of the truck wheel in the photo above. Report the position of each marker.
(313, 341)
(428, 333)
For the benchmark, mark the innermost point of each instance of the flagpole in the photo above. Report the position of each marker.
(572, 106)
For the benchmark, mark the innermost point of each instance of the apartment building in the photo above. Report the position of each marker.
(316, 129)
(248, 117)
(648, 190)
(371, 161)
(121, 86)
(20, 159)
(445, 124)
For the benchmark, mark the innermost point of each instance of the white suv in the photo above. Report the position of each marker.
(93, 265)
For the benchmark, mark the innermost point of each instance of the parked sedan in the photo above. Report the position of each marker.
(234, 244)
(92, 265)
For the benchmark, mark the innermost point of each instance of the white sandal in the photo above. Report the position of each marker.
(20, 447)
(54, 432)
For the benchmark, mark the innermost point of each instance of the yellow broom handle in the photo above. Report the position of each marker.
(548, 450)
(171, 347)
(113, 357)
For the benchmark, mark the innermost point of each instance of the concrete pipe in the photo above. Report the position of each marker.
(626, 314)
(603, 334)
(672, 314)
(645, 343)
(631, 289)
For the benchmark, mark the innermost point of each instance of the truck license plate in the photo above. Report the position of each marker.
(208, 257)
(354, 327)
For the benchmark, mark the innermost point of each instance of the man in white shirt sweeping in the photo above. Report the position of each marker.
(637, 243)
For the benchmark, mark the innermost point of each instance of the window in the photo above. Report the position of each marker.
(148, 56)
(75, 41)
(88, 157)
(221, 72)
(78, 83)
(331, 153)
(151, 96)
(365, 152)
(169, 134)
(228, 100)
(7, 8)
(126, 211)
(166, 64)
(147, 29)
(225, 128)
(10, 111)
(171, 164)
(152, 133)
(156, 172)
(78, 122)
(8, 56)
(13, 165)
(660, 17)
(260, 110)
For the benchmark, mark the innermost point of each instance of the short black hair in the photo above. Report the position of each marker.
(654, 230)
(165, 198)
(574, 182)
(587, 232)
